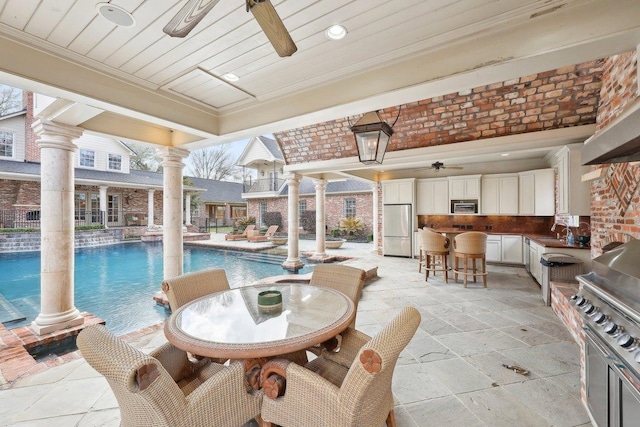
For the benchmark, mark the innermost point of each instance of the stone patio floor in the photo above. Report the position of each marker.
(451, 374)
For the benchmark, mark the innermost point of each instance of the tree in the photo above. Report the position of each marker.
(144, 158)
(10, 100)
(213, 163)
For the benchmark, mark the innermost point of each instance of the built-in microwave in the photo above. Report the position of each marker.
(464, 206)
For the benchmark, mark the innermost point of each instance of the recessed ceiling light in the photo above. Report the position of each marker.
(230, 77)
(504, 154)
(336, 32)
(116, 14)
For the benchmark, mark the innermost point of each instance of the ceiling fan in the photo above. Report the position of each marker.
(263, 12)
(439, 165)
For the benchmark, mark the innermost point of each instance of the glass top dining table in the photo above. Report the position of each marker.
(230, 324)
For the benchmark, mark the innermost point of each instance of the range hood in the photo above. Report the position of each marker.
(617, 143)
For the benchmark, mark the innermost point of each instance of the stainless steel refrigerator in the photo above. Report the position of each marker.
(396, 230)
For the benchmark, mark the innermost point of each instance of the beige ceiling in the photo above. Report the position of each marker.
(141, 84)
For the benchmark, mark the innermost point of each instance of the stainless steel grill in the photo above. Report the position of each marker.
(609, 304)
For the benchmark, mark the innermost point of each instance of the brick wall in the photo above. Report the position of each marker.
(615, 197)
(550, 100)
(32, 151)
(334, 208)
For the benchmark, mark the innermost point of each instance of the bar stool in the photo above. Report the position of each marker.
(436, 252)
(420, 263)
(472, 246)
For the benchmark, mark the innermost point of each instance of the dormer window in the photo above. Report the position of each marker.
(87, 158)
(115, 162)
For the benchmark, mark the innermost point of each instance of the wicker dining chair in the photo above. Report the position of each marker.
(295, 396)
(420, 253)
(434, 253)
(165, 389)
(187, 287)
(350, 281)
(470, 246)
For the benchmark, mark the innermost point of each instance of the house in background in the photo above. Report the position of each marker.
(107, 191)
(269, 193)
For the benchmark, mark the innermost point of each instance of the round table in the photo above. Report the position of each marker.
(229, 324)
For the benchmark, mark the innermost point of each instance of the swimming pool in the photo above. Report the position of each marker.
(117, 282)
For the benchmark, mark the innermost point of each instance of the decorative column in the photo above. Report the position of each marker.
(172, 210)
(374, 226)
(321, 186)
(293, 257)
(150, 213)
(57, 310)
(187, 208)
(103, 204)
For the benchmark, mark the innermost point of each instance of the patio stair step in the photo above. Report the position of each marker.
(9, 312)
(264, 258)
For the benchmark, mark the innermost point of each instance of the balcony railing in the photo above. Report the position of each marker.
(266, 184)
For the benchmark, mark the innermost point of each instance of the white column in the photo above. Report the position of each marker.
(293, 257)
(187, 209)
(321, 186)
(103, 203)
(150, 213)
(376, 210)
(57, 310)
(172, 210)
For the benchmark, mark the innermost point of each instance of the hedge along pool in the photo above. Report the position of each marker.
(117, 282)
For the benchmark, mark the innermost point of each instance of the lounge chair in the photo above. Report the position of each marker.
(241, 236)
(271, 231)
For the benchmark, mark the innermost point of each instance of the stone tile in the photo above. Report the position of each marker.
(66, 398)
(495, 339)
(469, 307)
(19, 399)
(465, 322)
(414, 383)
(403, 417)
(435, 326)
(492, 305)
(551, 401)
(64, 421)
(498, 408)
(462, 344)
(547, 359)
(106, 401)
(493, 366)
(555, 329)
(522, 316)
(529, 335)
(102, 418)
(50, 376)
(425, 348)
(445, 411)
(458, 375)
(495, 320)
(442, 310)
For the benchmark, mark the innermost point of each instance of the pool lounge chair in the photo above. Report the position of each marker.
(241, 236)
(271, 231)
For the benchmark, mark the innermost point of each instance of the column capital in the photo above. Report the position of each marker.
(56, 135)
(172, 157)
(320, 183)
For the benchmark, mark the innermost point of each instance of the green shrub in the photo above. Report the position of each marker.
(272, 218)
(241, 223)
(308, 221)
(351, 225)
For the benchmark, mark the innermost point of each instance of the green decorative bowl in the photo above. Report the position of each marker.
(270, 300)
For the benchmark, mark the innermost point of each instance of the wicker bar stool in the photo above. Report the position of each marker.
(420, 254)
(472, 246)
(435, 249)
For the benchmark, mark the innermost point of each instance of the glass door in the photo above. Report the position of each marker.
(114, 208)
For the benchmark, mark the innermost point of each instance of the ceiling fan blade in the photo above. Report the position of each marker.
(188, 17)
(272, 26)
(452, 167)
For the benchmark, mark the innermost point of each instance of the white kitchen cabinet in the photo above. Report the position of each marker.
(535, 251)
(432, 197)
(499, 195)
(512, 249)
(494, 248)
(464, 187)
(573, 194)
(397, 191)
(537, 192)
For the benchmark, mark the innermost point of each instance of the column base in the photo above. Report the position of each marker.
(47, 329)
(318, 256)
(292, 264)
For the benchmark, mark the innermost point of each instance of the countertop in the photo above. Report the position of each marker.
(540, 239)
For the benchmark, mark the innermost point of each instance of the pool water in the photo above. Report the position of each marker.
(117, 282)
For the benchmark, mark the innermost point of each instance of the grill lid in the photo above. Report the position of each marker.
(617, 273)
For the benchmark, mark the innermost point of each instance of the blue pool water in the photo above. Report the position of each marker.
(117, 282)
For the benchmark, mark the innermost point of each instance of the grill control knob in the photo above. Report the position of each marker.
(627, 342)
(589, 308)
(600, 318)
(612, 329)
(580, 301)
